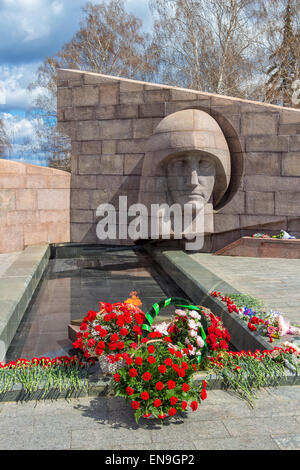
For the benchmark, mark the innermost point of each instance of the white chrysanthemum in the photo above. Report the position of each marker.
(199, 342)
(181, 313)
(187, 341)
(192, 325)
(162, 328)
(195, 315)
(193, 333)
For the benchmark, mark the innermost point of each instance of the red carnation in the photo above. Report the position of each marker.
(114, 338)
(151, 359)
(120, 345)
(124, 332)
(146, 376)
(157, 402)
(103, 333)
(173, 400)
(171, 384)
(162, 369)
(151, 349)
(144, 395)
(117, 377)
(133, 372)
(184, 405)
(129, 361)
(139, 361)
(135, 405)
(159, 386)
(203, 394)
(168, 361)
(194, 405)
(129, 391)
(172, 411)
(185, 387)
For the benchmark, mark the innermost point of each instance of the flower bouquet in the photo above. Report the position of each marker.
(200, 331)
(157, 380)
(110, 333)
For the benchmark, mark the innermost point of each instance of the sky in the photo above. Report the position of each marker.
(31, 30)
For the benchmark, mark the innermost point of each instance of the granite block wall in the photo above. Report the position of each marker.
(110, 119)
(34, 205)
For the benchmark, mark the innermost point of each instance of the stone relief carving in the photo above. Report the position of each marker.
(187, 161)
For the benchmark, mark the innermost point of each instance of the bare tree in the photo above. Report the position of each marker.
(4, 140)
(284, 41)
(210, 45)
(109, 41)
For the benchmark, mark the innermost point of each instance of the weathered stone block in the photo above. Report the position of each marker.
(174, 106)
(83, 181)
(35, 234)
(267, 144)
(80, 199)
(83, 233)
(159, 95)
(84, 113)
(128, 86)
(287, 203)
(131, 146)
(291, 164)
(54, 216)
(123, 111)
(117, 129)
(89, 164)
(57, 199)
(289, 117)
(135, 97)
(133, 164)
(259, 123)
(11, 239)
(109, 94)
(271, 183)
(152, 110)
(226, 222)
(91, 148)
(256, 222)
(142, 128)
(100, 196)
(262, 163)
(64, 97)
(109, 147)
(260, 203)
(295, 143)
(23, 217)
(86, 95)
(235, 205)
(82, 216)
(105, 112)
(181, 95)
(58, 232)
(112, 165)
(88, 130)
(289, 129)
(26, 199)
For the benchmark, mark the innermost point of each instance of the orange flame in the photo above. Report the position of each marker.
(134, 299)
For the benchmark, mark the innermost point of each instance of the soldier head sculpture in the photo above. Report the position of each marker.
(187, 161)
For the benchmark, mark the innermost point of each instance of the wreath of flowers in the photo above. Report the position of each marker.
(111, 331)
(157, 380)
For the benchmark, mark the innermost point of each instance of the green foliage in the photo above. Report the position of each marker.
(247, 300)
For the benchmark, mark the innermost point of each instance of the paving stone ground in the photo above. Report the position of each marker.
(223, 421)
(273, 280)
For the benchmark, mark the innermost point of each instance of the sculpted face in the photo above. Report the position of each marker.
(191, 179)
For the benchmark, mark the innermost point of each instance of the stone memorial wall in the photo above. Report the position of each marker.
(118, 127)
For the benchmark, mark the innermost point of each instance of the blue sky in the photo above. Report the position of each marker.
(31, 30)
